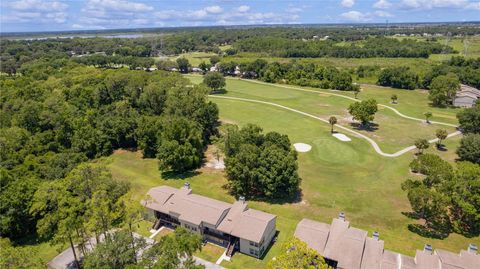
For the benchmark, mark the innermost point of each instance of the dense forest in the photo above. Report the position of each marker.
(59, 114)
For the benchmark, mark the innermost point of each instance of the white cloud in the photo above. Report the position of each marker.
(214, 9)
(36, 11)
(113, 14)
(382, 14)
(348, 3)
(430, 4)
(474, 5)
(294, 9)
(118, 5)
(355, 16)
(243, 8)
(382, 4)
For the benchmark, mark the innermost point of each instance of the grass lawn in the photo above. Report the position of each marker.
(210, 252)
(195, 58)
(337, 176)
(392, 132)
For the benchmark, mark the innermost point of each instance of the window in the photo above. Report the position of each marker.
(253, 252)
(253, 244)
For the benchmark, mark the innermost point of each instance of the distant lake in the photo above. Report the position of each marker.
(132, 36)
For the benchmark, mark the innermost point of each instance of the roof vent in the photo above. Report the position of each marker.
(186, 185)
(376, 235)
(241, 199)
(472, 248)
(428, 248)
(341, 216)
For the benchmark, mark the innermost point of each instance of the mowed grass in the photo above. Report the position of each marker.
(194, 58)
(390, 131)
(336, 176)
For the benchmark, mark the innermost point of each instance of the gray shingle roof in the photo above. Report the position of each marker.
(236, 219)
(352, 249)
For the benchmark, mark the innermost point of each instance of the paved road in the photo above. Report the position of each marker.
(371, 141)
(65, 259)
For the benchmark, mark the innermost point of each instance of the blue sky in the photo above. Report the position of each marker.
(52, 15)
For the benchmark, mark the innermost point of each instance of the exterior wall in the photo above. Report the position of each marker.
(464, 101)
(247, 247)
(269, 234)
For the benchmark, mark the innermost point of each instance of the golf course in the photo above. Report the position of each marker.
(337, 176)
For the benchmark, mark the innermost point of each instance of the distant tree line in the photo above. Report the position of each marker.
(454, 71)
(370, 47)
(303, 74)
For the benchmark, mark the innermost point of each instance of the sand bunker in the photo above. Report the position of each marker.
(342, 137)
(301, 147)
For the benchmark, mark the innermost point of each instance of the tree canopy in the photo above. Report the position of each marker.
(363, 111)
(297, 255)
(260, 165)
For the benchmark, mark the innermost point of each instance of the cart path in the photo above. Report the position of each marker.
(347, 97)
(371, 141)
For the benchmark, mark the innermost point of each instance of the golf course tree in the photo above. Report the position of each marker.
(394, 98)
(262, 166)
(469, 149)
(356, 90)
(214, 59)
(82, 205)
(469, 119)
(215, 81)
(443, 89)
(205, 67)
(295, 254)
(183, 65)
(441, 135)
(363, 111)
(180, 145)
(332, 120)
(444, 197)
(421, 144)
(398, 77)
(427, 115)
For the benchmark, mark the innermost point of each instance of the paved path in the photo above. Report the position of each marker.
(348, 97)
(208, 265)
(371, 141)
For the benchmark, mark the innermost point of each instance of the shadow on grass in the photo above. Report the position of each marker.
(176, 175)
(424, 231)
(441, 147)
(371, 127)
(274, 242)
(411, 215)
(296, 198)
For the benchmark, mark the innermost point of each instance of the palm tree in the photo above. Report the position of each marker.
(332, 120)
(394, 98)
(428, 115)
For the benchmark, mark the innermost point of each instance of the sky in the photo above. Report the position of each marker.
(59, 15)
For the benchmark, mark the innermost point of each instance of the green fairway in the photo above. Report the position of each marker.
(392, 132)
(194, 58)
(337, 176)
